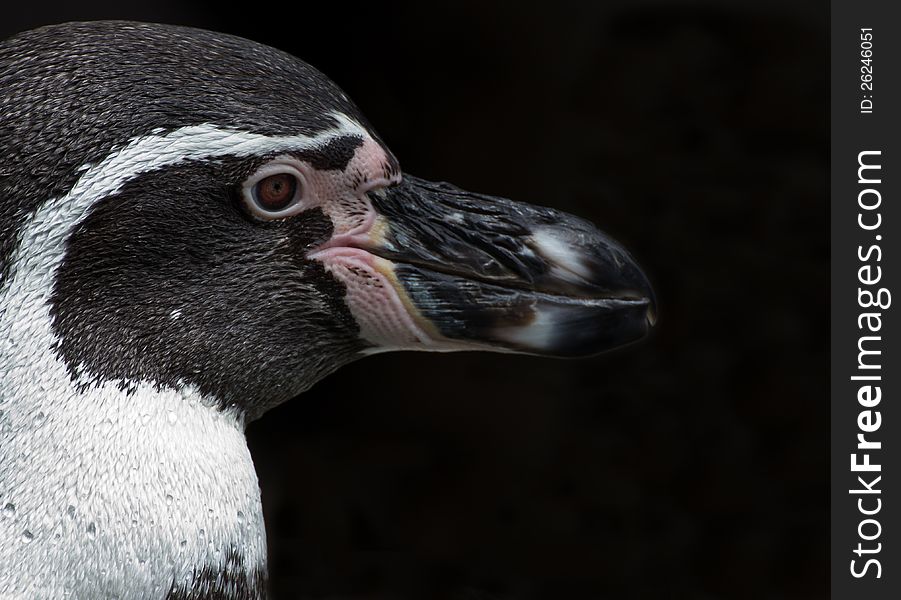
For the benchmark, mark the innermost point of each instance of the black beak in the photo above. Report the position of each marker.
(487, 271)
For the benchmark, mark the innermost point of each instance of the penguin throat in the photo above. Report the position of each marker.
(147, 494)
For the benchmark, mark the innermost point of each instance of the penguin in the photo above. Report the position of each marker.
(195, 228)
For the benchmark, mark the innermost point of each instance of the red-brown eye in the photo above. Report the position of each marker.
(276, 192)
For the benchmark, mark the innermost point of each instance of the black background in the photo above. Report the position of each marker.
(691, 465)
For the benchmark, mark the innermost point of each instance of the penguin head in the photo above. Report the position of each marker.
(194, 209)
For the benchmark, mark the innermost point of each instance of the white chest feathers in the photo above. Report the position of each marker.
(108, 495)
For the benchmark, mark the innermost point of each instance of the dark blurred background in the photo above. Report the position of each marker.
(691, 465)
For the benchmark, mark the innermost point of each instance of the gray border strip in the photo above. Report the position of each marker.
(866, 268)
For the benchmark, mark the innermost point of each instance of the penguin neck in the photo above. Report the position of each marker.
(144, 493)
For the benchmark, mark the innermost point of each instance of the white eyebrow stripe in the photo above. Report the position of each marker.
(152, 152)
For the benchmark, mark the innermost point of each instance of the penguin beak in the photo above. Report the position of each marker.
(481, 272)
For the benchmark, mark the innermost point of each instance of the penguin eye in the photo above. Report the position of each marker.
(274, 192)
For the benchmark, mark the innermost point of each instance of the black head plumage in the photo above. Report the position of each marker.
(160, 281)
